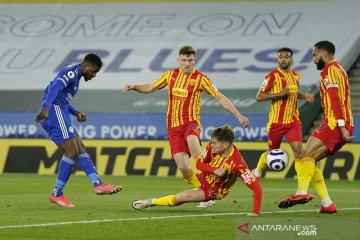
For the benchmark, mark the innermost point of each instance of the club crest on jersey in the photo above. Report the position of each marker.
(192, 82)
(69, 97)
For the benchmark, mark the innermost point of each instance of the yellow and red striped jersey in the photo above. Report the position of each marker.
(283, 110)
(235, 167)
(184, 96)
(333, 76)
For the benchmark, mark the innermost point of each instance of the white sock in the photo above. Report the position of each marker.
(301, 192)
(256, 173)
(326, 202)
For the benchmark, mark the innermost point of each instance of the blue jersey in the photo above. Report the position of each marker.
(57, 96)
(66, 83)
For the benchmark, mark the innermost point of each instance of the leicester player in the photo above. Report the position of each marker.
(54, 116)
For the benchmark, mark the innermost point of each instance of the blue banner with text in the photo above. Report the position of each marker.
(138, 126)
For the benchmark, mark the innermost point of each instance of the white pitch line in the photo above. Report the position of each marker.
(292, 189)
(156, 218)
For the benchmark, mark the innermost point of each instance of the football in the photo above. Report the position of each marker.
(277, 159)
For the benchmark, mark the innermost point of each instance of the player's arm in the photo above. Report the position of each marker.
(228, 106)
(158, 84)
(201, 162)
(268, 83)
(204, 167)
(209, 169)
(73, 110)
(204, 159)
(265, 96)
(53, 92)
(81, 117)
(50, 97)
(142, 88)
(336, 107)
(307, 96)
(253, 183)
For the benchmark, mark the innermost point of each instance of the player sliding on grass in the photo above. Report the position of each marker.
(54, 117)
(186, 85)
(220, 165)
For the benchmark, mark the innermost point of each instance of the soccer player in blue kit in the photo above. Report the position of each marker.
(54, 117)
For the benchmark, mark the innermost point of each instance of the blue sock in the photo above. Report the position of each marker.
(64, 171)
(88, 167)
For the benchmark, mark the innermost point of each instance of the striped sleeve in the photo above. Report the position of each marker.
(208, 86)
(332, 83)
(267, 83)
(335, 91)
(162, 81)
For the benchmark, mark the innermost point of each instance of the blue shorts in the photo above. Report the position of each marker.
(58, 125)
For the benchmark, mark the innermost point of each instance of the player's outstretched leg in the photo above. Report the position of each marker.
(169, 200)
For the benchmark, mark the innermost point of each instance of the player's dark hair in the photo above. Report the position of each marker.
(223, 134)
(94, 59)
(286, 49)
(187, 50)
(326, 45)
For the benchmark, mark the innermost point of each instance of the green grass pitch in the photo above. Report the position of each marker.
(26, 213)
